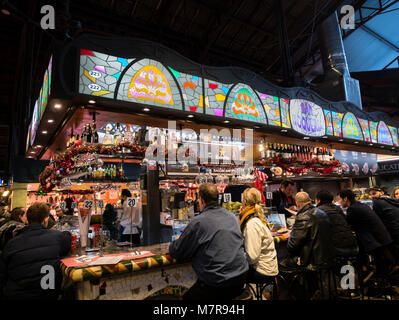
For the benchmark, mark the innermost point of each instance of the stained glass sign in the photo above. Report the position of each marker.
(307, 118)
(351, 128)
(384, 136)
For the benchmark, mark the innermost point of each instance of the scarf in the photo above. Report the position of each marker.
(245, 215)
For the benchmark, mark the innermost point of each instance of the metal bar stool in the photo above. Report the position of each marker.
(260, 287)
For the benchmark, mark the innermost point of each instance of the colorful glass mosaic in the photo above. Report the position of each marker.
(337, 123)
(191, 87)
(351, 128)
(148, 81)
(394, 133)
(373, 131)
(364, 124)
(215, 96)
(307, 118)
(244, 104)
(285, 116)
(99, 73)
(384, 135)
(271, 107)
(329, 123)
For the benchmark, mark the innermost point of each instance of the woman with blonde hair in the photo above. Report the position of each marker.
(258, 240)
(395, 193)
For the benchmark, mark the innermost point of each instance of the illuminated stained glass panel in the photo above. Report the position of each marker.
(271, 107)
(394, 133)
(244, 104)
(99, 73)
(285, 116)
(329, 123)
(191, 87)
(337, 123)
(148, 81)
(307, 118)
(364, 124)
(34, 123)
(373, 131)
(351, 128)
(383, 134)
(215, 96)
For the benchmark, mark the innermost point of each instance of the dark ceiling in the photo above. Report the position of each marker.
(221, 33)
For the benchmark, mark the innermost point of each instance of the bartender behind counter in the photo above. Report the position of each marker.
(284, 197)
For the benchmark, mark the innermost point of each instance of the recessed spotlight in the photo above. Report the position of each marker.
(190, 116)
(30, 157)
(146, 109)
(356, 142)
(92, 101)
(44, 132)
(341, 140)
(393, 148)
(306, 138)
(38, 146)
(370, 144)
(57, 106)
(325, 137)
(382, 146)
(284, 130)
(256, 127)
(32, 152)
(50, 120)
(226, 121)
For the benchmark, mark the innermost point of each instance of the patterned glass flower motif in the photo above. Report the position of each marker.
(150, 84)
(244, 105)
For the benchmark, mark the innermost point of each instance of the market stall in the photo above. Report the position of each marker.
(133, 117)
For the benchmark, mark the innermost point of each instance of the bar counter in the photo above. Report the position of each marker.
(132, 279)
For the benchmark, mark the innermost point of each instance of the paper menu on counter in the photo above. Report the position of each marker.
(291, 211)
(106, 260)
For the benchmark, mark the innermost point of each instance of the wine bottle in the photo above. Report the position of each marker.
(94, 134)
(117, 135)
(107, 137)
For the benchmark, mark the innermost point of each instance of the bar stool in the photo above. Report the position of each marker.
(321, 274)
(296, 276)
(260, 287)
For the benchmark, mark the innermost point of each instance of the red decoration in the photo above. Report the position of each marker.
(84, 52)
(213, 86)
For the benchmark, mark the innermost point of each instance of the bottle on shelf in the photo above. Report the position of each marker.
(319, 154)
(127, 137)
(89, 134)
(83, 137)
(267, 150)
(107, 136)
(117, 135)
(331, 155)
(121, 173)
(94, 134)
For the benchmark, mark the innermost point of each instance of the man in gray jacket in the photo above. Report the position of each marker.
(213, 242)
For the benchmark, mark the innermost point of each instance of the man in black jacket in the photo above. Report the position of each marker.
(373, 237)
(388, 211)
(30, 262)
(343, 239)
(311, 236)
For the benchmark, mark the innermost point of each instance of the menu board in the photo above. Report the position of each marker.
(357, 163)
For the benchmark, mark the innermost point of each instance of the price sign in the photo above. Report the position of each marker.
(269, 195)
(131, 202)
(74, 205)
(101, 203)
(88, 204)
(227, 197)
(62, 205)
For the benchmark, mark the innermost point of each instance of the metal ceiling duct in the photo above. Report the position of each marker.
(338, 84)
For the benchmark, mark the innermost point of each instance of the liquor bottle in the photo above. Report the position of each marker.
(267, 151)
(127, 137)
(94, 173)
(114, 172)
(89, 134)
(89, 172)
(121, 173)
(107, 137)
(94, 134)
(84, 134)
(331, 155)
(117, 135)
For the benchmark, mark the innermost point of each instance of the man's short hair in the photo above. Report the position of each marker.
(16, 214)
(126, 192)
(209, 193)
(324, 196)
(37, 212)
(347, 194)
(375, 188)
(287, 182)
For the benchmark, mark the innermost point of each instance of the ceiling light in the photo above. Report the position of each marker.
(190, 116)
(92, 101)
(32, 152)
(38, 146)
(256, 127)
(44, 132)
(50, 121)
(226, 121)
(325, 137)
(57, 106)
(306, 138)
(284, 130)
(341, 140)
(370, 144)
(356, 142)
(5, 193)
(146, 109)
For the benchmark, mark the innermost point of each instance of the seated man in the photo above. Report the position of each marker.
(373, 237)
(387, 209)
(343, 239)
(22, 275)
(213, 241)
